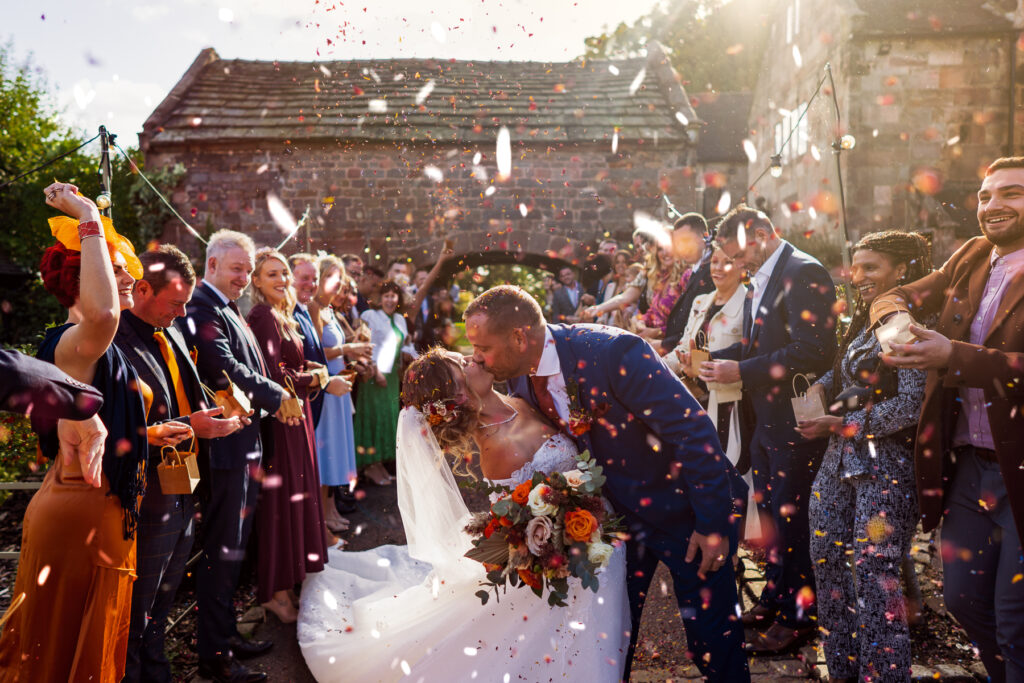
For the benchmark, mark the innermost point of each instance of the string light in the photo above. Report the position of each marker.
(776, 166)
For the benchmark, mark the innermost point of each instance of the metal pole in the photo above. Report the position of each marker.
(837, 149)
(103, 200)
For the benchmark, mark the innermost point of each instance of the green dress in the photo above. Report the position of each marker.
(377, 407)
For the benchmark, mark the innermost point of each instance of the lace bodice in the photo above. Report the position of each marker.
(557, 454)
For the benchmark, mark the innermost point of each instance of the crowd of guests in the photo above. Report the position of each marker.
(289, 405)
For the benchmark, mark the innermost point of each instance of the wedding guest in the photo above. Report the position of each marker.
(689, 244)
(377, 404)
(790, 329)
(368, 288)
(157, 352)
(228, 356)
(716, 323)
(565, 301)
(48, 395)
(863, 503)
(335, 435)
(615, 281)
(639, 291)
(290, 522)
(971, 432)
(72, 594)
(307, 280)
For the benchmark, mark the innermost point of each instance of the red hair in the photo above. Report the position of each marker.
(61, 269)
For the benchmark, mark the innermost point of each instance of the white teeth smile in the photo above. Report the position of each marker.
(998, 219)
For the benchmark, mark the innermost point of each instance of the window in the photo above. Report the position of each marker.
(796, 17)
(789, 24)
(803, 133)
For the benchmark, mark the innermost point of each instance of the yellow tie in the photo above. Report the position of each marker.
(172, 367)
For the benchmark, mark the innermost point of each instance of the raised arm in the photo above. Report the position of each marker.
(98, 307)
(421, 293)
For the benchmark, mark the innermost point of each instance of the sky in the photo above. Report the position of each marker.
(112, 62)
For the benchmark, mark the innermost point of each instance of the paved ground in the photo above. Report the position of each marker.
(662, 650)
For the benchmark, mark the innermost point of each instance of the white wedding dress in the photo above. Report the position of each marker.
(411, 613)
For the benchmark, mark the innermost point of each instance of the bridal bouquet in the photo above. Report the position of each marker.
(545, 530)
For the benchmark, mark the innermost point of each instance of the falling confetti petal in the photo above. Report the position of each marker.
(378, 106)
(424, 92)
(438, 31)
(44, 574)
(280, 215)
(797, 59)
(614, 70)
(681, 118)
(434, 173)
(724, 202)
(504, 153)
(615, 142)
(750, 151)
(637, 82)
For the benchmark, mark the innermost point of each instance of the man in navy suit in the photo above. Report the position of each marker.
(227, 350)
(157, 352)
(666, 473)
(307, 279)
(791, 329)
(689, 244)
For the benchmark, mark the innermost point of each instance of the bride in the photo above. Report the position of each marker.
(411, 611)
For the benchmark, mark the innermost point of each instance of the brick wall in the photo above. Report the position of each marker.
(401, 199)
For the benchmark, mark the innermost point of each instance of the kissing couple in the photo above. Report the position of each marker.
(411, 612)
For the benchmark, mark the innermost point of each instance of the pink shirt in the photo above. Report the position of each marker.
(972, 426)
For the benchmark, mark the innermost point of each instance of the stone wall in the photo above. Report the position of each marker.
(400, 200)
(926, 113)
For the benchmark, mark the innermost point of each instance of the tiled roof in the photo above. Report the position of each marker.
(721, 139)
(916, 18)
(423, 100)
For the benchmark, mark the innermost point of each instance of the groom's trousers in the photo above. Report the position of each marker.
(714, 634)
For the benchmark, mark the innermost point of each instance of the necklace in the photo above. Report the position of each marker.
(515, 413)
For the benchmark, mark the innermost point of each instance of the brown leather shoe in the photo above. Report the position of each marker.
(779, 639)
(758, 617)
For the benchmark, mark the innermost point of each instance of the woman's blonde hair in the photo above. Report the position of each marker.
(283, 312)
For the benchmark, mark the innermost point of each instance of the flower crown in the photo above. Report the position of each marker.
(441, 412)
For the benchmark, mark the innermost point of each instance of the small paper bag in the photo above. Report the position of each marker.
(700, 353)
(321, 376)
(291, 406)
(895, 330)
(806, 406)
(233, 400)
(178, 470)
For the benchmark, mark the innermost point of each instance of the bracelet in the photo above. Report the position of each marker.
(89, 229)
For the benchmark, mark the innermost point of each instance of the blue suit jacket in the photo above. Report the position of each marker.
(312, 349)
(794, 331)
(659, 450)
(220, 338)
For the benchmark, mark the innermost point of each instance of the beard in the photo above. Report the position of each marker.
(1008, 234)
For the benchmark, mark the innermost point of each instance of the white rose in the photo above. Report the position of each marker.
(538, 506)
(575, 478)
(538, 532)
(600, 553)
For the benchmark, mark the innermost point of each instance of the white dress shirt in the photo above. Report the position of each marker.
(760, 282)
(550, 367)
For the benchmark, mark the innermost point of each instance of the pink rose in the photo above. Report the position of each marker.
(538, 533)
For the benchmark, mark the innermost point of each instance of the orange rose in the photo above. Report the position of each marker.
(521, 494)
(580, 525)
(530, 579)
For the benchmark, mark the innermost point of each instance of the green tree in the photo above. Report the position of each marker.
(713, 44)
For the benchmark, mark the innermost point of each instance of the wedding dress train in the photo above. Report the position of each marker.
(410, 612)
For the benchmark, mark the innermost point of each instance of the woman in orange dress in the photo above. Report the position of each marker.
(70, 614)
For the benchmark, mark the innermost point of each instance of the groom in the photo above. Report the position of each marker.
(666, 473)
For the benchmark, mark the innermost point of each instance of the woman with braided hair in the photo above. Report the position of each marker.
(863, 508)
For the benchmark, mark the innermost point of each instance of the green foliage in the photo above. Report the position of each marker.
(824, 248)
(713, 44)
(475, 281)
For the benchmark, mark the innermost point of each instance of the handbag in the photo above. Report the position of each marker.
(806, 406)
(699, 354)
(178, 470)
(232, 400)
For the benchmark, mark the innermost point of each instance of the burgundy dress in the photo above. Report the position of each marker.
(289, 521)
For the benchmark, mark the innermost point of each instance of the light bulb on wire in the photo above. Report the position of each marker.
(847, 142)
(776, 166)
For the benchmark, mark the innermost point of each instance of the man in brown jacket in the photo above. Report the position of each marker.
(970, 440)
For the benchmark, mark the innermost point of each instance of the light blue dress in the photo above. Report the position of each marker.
(335, 443)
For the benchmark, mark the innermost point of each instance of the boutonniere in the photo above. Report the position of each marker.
(194, 355)
(581, 419)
